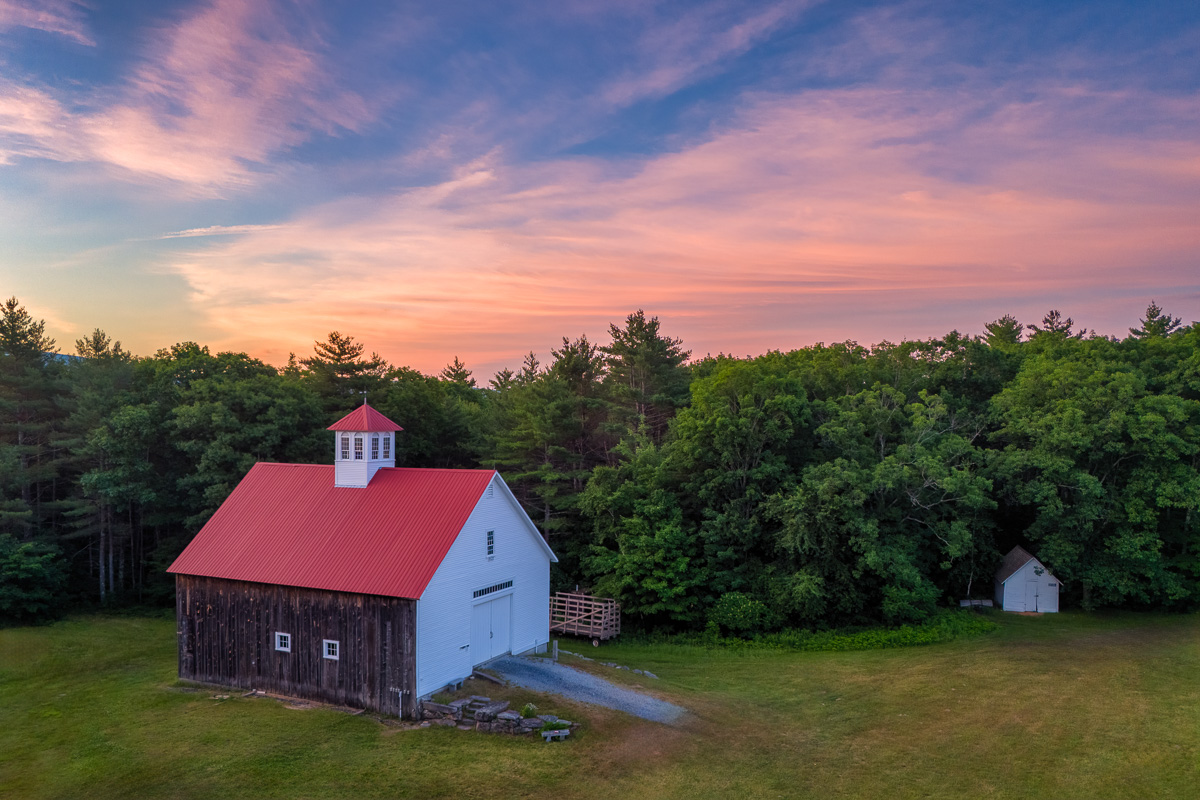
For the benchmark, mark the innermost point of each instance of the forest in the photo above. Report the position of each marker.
(833, 485)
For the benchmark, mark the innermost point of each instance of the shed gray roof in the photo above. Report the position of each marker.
(1016, 558)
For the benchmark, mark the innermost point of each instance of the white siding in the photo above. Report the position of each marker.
(1017, 589)
(444, 610)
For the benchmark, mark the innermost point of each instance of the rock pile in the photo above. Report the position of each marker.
(481, 714)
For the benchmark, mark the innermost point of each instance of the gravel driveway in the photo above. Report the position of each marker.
(544, 675)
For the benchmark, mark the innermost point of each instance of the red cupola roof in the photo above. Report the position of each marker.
(364, 418)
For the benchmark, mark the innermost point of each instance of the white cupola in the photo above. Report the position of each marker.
(363, 442)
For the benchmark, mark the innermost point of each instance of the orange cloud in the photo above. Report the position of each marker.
(807, 219)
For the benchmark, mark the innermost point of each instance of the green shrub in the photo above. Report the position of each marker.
(529, 711)
(740, 614)
(32, 580)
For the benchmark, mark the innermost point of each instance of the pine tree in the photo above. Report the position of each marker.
(30, 381)
(1156, 324)
(646, 373)
(340, 375)
(1004, 332)
(1055, 326)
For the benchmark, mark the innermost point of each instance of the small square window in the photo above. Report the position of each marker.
(491, 542)
(332, 649)
(283, 642)
(358, 448)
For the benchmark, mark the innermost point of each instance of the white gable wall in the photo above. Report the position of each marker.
(444, 610)
(1025, 590)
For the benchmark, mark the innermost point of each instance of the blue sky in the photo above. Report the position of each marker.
(482, 179)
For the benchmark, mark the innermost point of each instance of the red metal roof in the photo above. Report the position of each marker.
(364, 418)
(288, 524)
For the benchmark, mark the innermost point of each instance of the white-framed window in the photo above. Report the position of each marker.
(345, 448)
(387, 446)
(491, 544)
(358, 448)
(283, 642)
(331, 649)
(374, 448)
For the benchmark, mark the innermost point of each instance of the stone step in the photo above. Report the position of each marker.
(489, 712)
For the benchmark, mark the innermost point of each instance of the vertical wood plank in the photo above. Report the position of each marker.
(227, 631)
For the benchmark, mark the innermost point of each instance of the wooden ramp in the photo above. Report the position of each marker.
(579, 614)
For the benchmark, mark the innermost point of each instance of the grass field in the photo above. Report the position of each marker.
(1060, 706)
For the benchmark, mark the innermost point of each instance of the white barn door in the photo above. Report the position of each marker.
(490, 629)
(1031, 592)
(500, 619)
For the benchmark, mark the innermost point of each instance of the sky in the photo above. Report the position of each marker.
(480, 180)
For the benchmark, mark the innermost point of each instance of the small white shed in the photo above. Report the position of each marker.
(1024, 584)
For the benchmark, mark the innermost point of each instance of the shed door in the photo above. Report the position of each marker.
(489, 629)
(1031, 593)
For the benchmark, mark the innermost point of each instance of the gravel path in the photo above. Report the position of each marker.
(544, 675)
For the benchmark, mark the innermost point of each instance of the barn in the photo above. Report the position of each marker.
(360, 583)
(1024, 584)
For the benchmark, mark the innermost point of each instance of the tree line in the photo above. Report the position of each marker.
(831, 485)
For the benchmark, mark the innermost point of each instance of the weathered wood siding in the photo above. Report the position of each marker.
(227, 636)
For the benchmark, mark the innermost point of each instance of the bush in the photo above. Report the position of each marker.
(740, 614)
(32, 580)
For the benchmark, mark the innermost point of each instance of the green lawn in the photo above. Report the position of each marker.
(1061, 706)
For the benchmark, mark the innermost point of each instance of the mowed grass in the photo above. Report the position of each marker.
(1059, 706)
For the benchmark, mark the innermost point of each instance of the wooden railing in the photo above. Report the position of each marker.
(583, 615)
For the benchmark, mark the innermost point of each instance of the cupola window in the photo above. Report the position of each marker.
(374, 448)
(358, 448)
(387, 447)
(345, 448)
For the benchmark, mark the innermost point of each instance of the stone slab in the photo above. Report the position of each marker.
(489, 712)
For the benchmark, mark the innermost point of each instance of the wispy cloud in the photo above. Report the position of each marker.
(63, 17)
(673, 54)
(34, 125)
(230, 86)
(217, 230)
(806, 218)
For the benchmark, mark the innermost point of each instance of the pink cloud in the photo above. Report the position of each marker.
(34, 125)
(63, 17)
(230, 86)
(811, 218)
